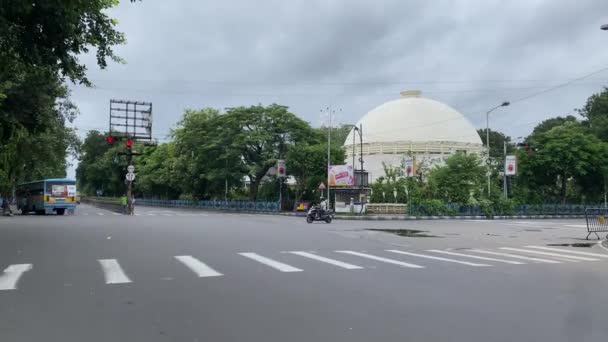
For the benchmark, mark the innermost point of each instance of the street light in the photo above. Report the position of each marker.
(504, 104)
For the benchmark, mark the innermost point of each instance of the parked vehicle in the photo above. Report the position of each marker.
(317, 213)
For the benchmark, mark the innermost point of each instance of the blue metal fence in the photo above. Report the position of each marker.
(521, 210)
(247, 206)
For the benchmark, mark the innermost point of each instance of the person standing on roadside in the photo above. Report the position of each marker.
(123, 203)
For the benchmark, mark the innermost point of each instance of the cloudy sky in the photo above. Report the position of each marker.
(353, 55)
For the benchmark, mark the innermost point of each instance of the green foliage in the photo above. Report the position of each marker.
(567, 154)
(458, 180)
(52, 33)
(595, 112)
(39, 47)
(157, 172)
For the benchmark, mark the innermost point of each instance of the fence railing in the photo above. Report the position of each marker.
(447, 209)
(244, 206)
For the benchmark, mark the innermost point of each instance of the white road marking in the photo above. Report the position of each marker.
(167, 215)
(117, 214)
(272, 263)
(11, 275)
(548, 254)
(515, 256)
(377, 258)
(112, 272)
(436, 258)
(477, 257)
(203, 214)
(151, 214)
(569, 251)
(85, 214)
(197, 266)
(327, 260)
(137, 214)
(576, 225)
(100, 214)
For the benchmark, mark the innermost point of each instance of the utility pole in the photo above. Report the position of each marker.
(504, 171)
(504, 104)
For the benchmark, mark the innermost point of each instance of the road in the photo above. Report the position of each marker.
(178, 275)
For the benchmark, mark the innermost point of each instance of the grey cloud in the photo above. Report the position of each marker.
(353, 55)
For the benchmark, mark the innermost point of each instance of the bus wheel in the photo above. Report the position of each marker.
(40, 212)
(60, 211)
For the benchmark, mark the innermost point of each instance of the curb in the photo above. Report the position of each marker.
(421, 218)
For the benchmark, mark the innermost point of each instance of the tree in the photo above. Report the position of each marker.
(260, 135)
(497, 140)
(52, 33)
(566, 155)
(595, 112)
(158, 176)
(307, 163)
(458, 180)
(39, 48)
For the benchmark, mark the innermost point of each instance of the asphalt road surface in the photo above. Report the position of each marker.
(178, 275)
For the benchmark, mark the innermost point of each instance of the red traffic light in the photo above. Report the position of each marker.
(129, 143)
(110, 139)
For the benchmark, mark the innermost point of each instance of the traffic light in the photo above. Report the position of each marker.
(110, 139)
(129, 153)
(129, 143)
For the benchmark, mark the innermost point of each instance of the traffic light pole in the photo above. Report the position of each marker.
(129, 185)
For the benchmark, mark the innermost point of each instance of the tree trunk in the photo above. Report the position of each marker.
(253, 189)
(563, 189)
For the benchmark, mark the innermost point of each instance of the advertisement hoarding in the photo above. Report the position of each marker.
(341, 175)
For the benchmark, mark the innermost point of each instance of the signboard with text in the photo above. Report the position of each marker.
(341, 175)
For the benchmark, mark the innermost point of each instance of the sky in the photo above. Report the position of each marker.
(545, 56)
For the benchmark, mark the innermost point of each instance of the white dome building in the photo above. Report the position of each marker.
(414, 126)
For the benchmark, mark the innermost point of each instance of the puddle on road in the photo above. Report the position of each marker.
(404, 232)
(576, 244)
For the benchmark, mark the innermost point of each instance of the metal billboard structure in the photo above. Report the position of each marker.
(131, 119)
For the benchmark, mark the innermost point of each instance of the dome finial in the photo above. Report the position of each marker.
(410, 93)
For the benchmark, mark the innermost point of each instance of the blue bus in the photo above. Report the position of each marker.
(47, 196)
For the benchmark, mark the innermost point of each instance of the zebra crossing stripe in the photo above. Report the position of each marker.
(569, 251)
(10, 277)
(377, 258)
(549, 254)
(478, 257)
(436, 258)
(515, 256)
(197, 266)
(327, 260)
(113, 273)
(272, 263)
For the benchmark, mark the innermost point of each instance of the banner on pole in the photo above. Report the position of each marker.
(510, 165)
(341, 175)
(281, 169)
(409, 167)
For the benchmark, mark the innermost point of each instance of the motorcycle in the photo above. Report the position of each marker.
(319, 214)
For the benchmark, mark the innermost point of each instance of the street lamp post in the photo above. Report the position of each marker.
(504, 104)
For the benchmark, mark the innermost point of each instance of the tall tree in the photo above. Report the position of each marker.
(261, 135)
